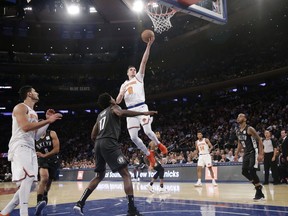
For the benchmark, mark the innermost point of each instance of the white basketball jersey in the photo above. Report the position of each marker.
(203, 147)
(19, 136)
(134, 90)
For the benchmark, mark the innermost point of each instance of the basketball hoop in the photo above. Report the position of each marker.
(160, 16)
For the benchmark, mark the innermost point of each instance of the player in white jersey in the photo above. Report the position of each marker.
(132, 91)
(25, 129)
(204, 146)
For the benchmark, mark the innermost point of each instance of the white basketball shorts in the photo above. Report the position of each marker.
(135, 122)
(205, 160)
(24, 163)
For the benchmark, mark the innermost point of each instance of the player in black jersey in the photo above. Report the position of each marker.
(253, 153)
(157, 167)
(105, 134)
(47, 149)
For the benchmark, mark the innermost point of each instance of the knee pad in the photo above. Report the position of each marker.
(245, 172)
(254, 176)
(156, 175)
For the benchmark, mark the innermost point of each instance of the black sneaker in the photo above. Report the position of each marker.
(259, 195)
(78, 209)
(133, 212)
(39, 207)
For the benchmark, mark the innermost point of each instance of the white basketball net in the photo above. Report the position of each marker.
(160, 16)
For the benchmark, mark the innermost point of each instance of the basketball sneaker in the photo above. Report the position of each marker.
(78, 209)
(198, 184)
(150, 188)
(39, 207)
(133, 212)
(259, 195)
(214, 182)
(163, 190)
(151, 158)
(162, 148)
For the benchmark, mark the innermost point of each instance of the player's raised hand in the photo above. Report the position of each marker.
(151, 40)
(55, 117)
(150, 112)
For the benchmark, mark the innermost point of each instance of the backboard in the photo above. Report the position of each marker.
(212, 10)
(161, 11)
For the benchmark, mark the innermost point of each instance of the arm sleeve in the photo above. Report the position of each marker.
(40, 132)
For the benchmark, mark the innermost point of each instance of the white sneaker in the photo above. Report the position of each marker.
(133, 180)
(138, 179)
(162, 190)
(214, 182)
(150, 188)
(198, 184)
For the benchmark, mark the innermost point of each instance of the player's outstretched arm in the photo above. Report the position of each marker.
(120, 96)
(128, 113)
(145, 57)
(21, 117)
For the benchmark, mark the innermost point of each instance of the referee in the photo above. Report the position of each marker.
(270, 155)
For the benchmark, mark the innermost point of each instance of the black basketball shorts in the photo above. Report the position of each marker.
(250, 161)
(52, 164)
(108, 151)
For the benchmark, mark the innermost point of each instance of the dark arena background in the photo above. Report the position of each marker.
(201, 73)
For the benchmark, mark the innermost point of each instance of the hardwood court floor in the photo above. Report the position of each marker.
(180, 199)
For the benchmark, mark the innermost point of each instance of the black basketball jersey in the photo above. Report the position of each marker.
(44, 144)
(109, 124)
(247, 141)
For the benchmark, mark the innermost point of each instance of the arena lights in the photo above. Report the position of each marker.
(138, 6)
(92, 10)
(262, 84)
(40, 112)
(73, 9)
(64, 111)
(5, 87)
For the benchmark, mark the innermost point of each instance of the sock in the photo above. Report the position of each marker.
(11, 205)
(39, 197)
(131, 201)
(24, 194)
(45, 196)
(85, 195)
(199, 180)
(151, 183)
(161, 185)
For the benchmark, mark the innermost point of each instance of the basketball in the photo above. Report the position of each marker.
(146, 34)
